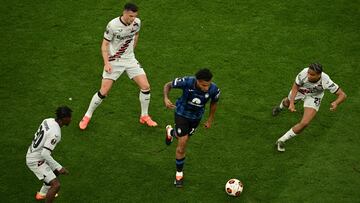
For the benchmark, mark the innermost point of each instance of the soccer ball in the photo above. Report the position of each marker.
(234, 187)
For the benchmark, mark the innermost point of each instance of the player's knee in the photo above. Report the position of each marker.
(55, 184)
(145, 87)
(180, 150)
(102, 94)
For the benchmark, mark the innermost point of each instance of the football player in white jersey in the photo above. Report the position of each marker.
(120, 39)
(309, 86)
(39, 159)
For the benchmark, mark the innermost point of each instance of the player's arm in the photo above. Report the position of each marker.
(105, 54)
(213, 106)
(46, 154)
(341, 96)
(294, 91)
(167, 102)
(136, 39)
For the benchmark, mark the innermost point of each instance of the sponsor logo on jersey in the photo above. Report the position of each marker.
(196, 102)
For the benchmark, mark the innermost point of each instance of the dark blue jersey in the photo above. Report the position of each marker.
(192, 102)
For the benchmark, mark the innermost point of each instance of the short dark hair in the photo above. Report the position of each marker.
(131, 7)
(204, 74)
(63, 112)
(317, 67)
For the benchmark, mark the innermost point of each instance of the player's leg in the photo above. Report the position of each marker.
(45, 187)
(180, 159)
(184, 128)
(53, 190)
(44, 173)
(309, 114)
(144, 94)
(285, 103)
(96, 100)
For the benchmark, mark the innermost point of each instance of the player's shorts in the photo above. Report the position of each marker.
(310, 101)
(42, 171)
(131, 67)
(185, 126)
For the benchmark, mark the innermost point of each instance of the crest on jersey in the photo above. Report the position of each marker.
(53, 141)
(207, 95)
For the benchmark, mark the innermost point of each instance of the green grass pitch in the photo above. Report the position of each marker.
(50, 51)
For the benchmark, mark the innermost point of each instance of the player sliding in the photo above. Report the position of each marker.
(309, 86)
(120, 39)
(189, 109)
(39, 159)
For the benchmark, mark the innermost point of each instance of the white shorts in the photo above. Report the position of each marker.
(131, 67)
(43, 172)
(309, 101)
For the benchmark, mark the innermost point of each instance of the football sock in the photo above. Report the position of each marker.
(289, 134)
(144, 97)
(44, 189)
(281, 104)
(180, 164)
(94, 103)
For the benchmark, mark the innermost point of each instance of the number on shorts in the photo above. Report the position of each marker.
(317, 101)
(38, 136)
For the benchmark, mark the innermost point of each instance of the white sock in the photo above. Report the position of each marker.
(94, 103)
(289, 134)
(281, 105)
(44, 189)
(144, 102)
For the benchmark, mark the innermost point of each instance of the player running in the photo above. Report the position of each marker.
(120, 39)
(309, 86)
(39, 159)
(189, 109)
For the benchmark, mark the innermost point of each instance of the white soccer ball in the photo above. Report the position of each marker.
(234, 187)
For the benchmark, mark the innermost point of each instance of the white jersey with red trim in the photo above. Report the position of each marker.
(121, 38)
(46, 137)
(316, 88)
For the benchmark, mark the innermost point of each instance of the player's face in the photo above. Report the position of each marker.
(129, 16)
(313, 76)
(203, 85)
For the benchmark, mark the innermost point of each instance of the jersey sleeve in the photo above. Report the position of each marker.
(300, 78)
(330, 85)
(216, 95)
(51, 140)
(109, 33)
(137, 24)
(179, 83)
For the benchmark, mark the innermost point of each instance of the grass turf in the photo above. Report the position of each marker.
(51, 51)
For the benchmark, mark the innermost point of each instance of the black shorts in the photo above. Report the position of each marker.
(185, 126)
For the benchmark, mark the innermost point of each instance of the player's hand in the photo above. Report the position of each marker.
(63, 171)
(208, 123)
(292, 107)
(333, 106)
(169, 104)
(108, 68)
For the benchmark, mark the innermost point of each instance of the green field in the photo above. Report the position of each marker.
(50, 51)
